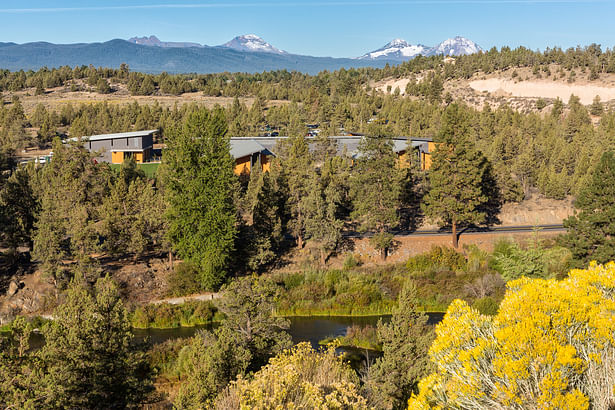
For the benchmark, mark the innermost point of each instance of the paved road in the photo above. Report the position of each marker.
(490, 230)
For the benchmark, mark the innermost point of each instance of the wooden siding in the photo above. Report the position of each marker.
(242, 165)
(117, 157)
(265, 163)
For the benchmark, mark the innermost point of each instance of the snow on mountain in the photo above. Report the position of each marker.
(397, 49)
(455, 47)
(155, 42)
(252, 43)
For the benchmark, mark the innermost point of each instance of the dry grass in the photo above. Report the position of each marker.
(55, 98)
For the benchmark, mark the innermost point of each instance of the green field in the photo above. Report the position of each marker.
(149, 169)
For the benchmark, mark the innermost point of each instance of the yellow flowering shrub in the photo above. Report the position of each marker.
(551, 346)
(298, 378)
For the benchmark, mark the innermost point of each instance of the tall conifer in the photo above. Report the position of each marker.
(200, 184)
(591, 231)
(456, 196)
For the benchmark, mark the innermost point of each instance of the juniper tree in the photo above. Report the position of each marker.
(295, 165)
(90, 356)
(131, 213)
(200, 183)
(19, 208)
(322, 223)
(70, 189)
(261, 234)
(405, 360)
(456, 195)
(245, 340)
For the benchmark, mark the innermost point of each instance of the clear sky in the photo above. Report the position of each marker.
(339, 28)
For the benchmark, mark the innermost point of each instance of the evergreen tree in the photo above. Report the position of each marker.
(591, 232)
(20, 370)
(322, 224)
(596, 108)
(200, 184)
(130, 214)
(376, 190)
(248, 336)
(261, 235)
(405, 360)
(296, 165)
(19, 208)
(456, 194)
(90, 356)
(70, 189)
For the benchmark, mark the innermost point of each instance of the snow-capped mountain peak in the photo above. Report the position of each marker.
(455, 47)
(251, 43)
(397, 49)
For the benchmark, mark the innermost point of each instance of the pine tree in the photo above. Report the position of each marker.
(591, 232)
(376, 189)
(456, 195)
(200, 184)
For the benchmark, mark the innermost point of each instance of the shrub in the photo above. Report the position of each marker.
(486, 285)
(350, 262)
(535, 261)
(540, 104)
(166, 315)
(163, 356)
(293, 280)
(183, 281)
(478, 260)
(298, 378)
(437, 259)
(486, 306)
(550, 346)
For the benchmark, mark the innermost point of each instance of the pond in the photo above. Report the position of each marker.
(310, 329)
(302, 329)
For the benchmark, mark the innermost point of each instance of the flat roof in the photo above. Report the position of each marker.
(130, 134)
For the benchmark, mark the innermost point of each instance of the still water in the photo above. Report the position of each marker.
(302, 329)
(310, 329)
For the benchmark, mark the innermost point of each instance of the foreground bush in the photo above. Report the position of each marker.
(299, 378)
(551, 345)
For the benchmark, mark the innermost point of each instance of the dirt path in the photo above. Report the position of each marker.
(184, 299)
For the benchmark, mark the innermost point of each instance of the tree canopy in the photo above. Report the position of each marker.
(200, 184)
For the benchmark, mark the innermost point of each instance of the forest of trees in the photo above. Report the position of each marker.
(229, 230)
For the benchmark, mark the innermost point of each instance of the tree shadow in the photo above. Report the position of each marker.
(410, 214)
(490, 189)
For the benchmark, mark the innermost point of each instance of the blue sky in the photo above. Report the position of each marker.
(339, 28)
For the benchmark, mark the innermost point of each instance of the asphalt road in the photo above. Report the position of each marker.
(473, 230)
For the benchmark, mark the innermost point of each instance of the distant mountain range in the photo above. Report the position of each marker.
(401, 50)
(247, 53)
